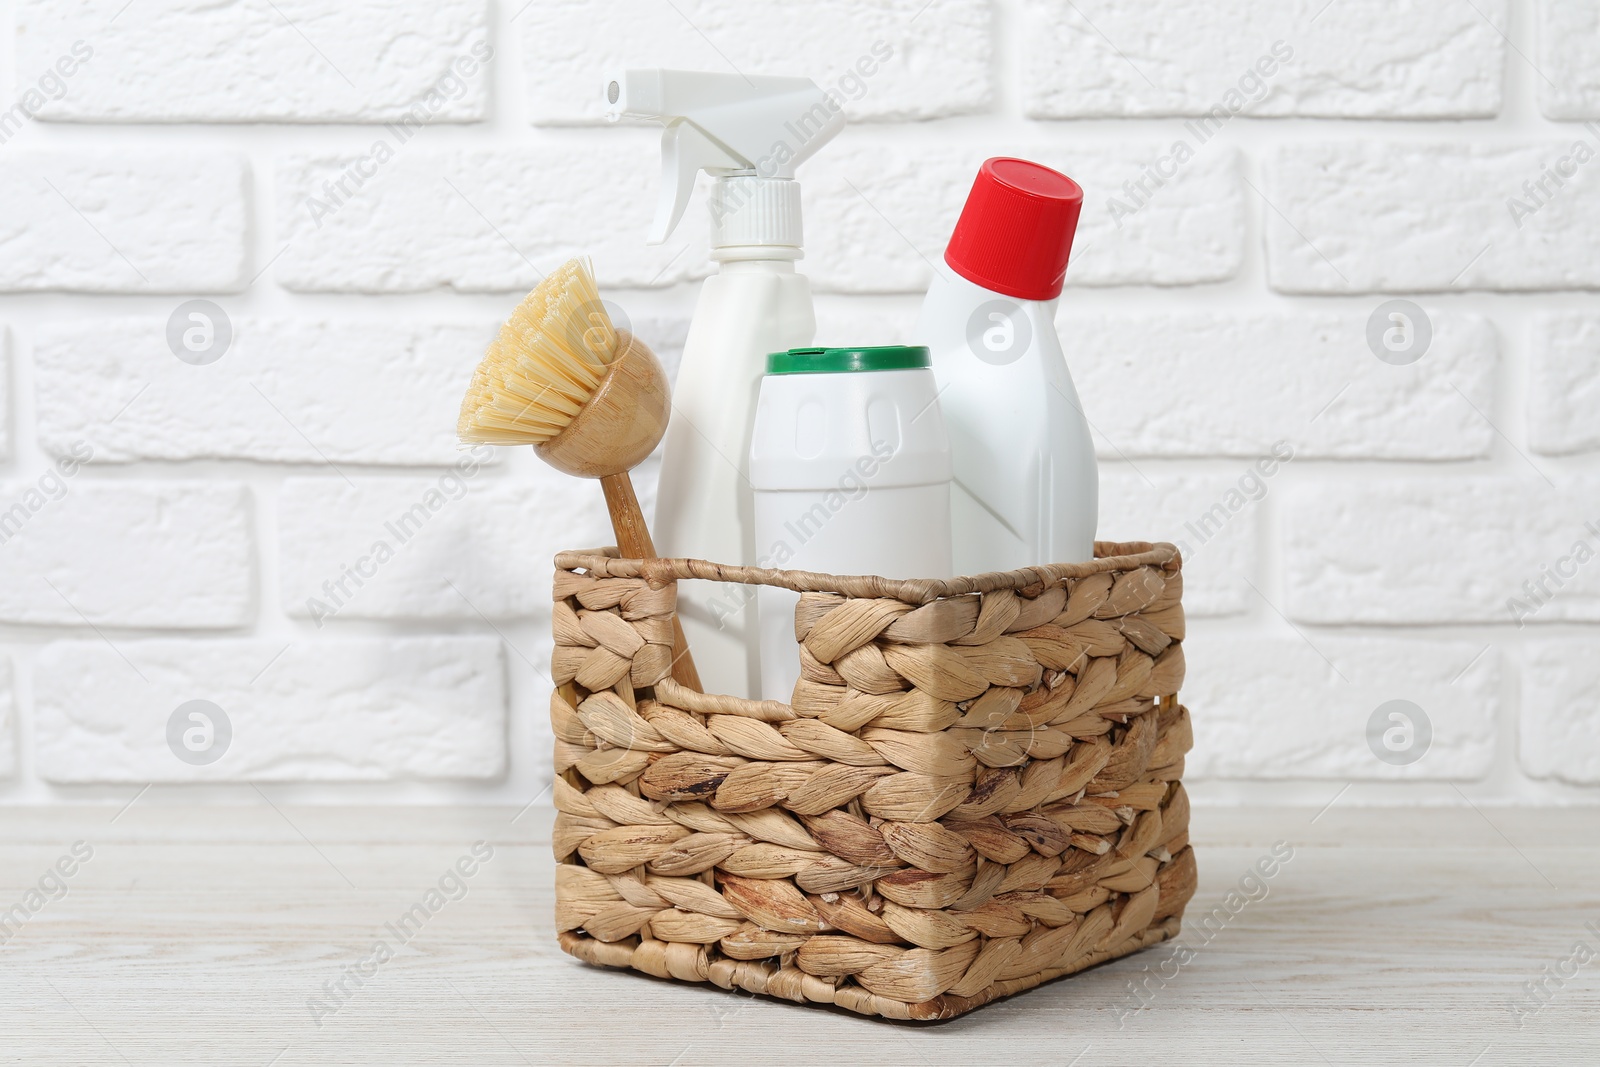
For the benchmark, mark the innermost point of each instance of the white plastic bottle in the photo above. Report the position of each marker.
(749, 133)
(1026, 487)
(850, 466)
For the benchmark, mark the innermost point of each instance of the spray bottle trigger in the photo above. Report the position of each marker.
(686, 150)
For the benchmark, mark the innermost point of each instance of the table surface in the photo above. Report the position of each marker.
(251, 935)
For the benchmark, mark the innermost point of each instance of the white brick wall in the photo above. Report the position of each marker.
(453, 547)
(278, 60)
(1287, 707)
(895, 59)
(1564, 390)
(1307, 379)
(123, 222)
(1440, 550)
(360, 191)
(8, 718)
(1569, 56)
(1561, 695)
(5, 392)
(431, 707)
(1101, 58)
(1396, 215)
(469, 220)
(361, 390)
(169, 554)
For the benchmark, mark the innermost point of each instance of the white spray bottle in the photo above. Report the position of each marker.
(749, 134)
(1026, 485)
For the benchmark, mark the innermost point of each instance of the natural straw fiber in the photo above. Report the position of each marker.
(974, 789)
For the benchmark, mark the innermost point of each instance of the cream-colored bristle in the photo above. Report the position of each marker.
(545, 364)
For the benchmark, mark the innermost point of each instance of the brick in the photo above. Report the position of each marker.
(932, 59)
(284, 390)
(1442, 550)
(1569, 59)
(123, 221)
(1274, 707)
(363, 709)
(453, 547)
(1203, 384)
(125, 553)
(1408, 215)
(1100, 59)
(1212, 519)
(1560, 707)
(262, 60)
(8, 717)
(1564, 391)
(5, 393)
(482, 221)
(878, 222)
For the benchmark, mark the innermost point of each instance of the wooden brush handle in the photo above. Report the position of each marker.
(633, 541)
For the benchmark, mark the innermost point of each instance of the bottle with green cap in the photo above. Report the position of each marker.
(850, 474)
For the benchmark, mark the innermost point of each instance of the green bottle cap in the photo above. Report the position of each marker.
(839, 360)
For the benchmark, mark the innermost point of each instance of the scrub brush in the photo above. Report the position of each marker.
(591, 399)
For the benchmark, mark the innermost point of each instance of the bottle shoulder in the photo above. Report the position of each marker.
(999, 331)
(752, 308)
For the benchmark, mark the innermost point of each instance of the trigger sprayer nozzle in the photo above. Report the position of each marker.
(727, 124)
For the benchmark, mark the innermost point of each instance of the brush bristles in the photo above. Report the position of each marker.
(545, 364)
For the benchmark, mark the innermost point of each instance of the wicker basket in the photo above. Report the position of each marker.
(976, 789)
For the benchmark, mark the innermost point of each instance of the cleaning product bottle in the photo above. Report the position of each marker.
(749, 134)
(851, 471)
(1026, 489)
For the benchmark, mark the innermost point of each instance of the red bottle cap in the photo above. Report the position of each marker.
(1015, 232)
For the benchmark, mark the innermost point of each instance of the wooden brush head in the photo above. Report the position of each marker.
(623, 421)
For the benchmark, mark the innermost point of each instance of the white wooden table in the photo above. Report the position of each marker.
(215, 935)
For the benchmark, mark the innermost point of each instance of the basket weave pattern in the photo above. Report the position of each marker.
(975, 789)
